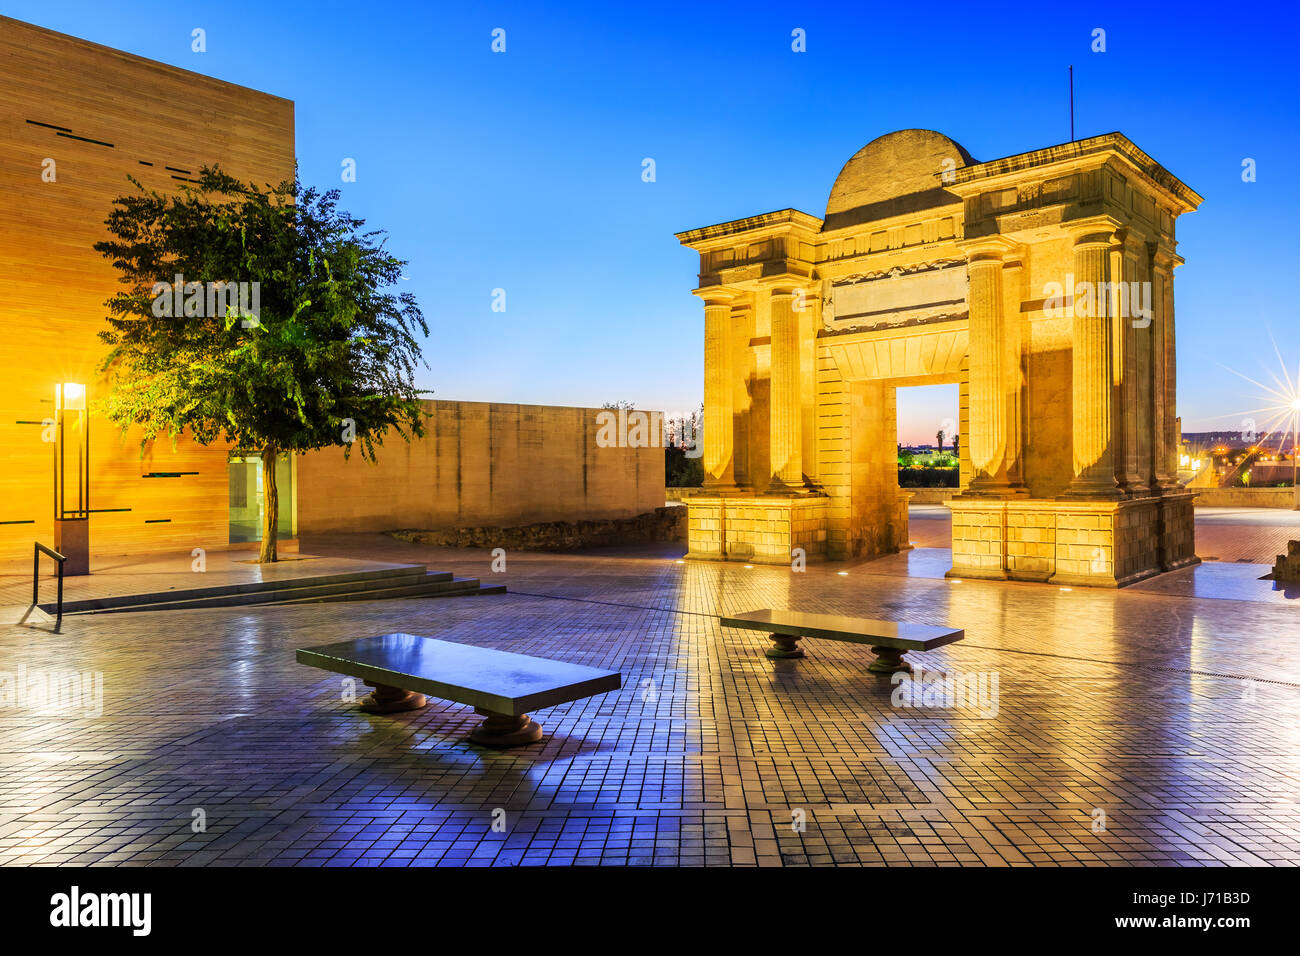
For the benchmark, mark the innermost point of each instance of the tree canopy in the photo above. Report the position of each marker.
(258, 316)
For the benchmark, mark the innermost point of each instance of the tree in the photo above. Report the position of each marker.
(681, 470)
(285, 340)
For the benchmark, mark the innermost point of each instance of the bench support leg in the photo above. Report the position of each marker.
(889, 660)
(784, 646)
(503, 730)
(390, 700)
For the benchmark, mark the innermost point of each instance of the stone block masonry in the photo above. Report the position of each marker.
(762, 530)
(1098, 543)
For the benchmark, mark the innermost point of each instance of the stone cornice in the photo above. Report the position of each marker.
(780, 220)
(1115, 144)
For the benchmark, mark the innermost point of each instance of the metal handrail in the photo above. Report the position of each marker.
(36, 575)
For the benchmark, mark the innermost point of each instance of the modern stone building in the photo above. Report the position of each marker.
(76, 119)
(1041, 283)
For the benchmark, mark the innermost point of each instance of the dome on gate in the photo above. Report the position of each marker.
(894, 174)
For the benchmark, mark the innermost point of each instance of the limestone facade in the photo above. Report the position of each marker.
(1041, 283)
(76, 119)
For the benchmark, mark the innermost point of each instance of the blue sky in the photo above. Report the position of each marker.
(522, 170)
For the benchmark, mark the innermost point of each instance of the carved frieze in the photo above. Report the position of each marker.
(922, 292)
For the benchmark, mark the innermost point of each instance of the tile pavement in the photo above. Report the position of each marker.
(1176, 715)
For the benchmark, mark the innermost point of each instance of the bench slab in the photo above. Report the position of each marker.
(501, 685)
(888, 639)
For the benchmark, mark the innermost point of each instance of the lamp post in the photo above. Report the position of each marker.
(72, 511)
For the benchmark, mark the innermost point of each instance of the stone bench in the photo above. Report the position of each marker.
(500, 685)
(889, 640)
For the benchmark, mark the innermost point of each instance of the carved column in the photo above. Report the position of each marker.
(994, 379)
(1016, 324)
(785, 414)
(742, 330)
(719, 385)
(1092, 366)
(1143, 320)
(1128, 399)
(1165, 422)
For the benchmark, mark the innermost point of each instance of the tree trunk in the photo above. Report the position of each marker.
(270, 507)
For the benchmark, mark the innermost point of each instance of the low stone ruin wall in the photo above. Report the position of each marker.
(662, 524)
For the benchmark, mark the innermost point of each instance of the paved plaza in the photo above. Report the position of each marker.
(1156, 725)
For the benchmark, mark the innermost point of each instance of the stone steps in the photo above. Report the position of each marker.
(403, 581)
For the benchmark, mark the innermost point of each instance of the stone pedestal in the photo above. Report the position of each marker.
(1177, 530)
(505, 730)
(784, 647)
(979, 537)
(889, 660)
(391, 700)
(760, 529)
(1107, 543)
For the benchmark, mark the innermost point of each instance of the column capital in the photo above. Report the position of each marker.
(1094, 231)
(787, 285)
(993, 248)
(1132, 240)
(1164, 259)
(717, 295)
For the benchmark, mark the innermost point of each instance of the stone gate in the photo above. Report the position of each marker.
(1041, 283)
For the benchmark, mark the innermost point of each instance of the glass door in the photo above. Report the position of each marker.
(246, 497)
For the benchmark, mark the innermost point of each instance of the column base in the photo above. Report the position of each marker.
(1091, 492)
(991, 489)
(976, 574)
(776, 487)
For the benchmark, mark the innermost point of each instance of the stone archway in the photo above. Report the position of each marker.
(1015, 278)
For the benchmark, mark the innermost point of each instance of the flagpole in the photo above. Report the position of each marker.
(1071, 102)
